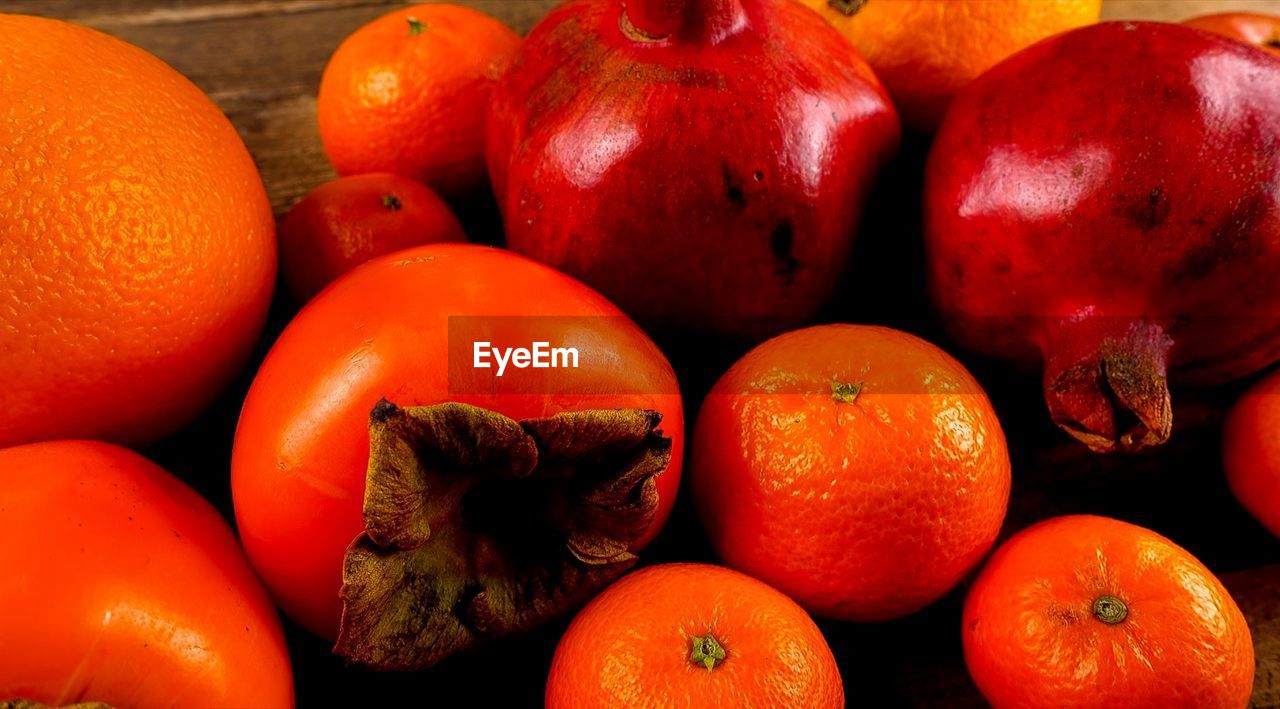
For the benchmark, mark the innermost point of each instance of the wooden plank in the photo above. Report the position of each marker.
(1178, 10)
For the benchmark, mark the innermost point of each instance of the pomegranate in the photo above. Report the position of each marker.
(703, 163)
(1107, 203)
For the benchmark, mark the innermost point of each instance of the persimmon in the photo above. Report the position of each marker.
(1255, 28)
(1251, 451)
(125, 588)
(858, 469)
(343, 223)
(1089, 611)
(136, 240)
(407, 93)
(693, 635)
(404, 500)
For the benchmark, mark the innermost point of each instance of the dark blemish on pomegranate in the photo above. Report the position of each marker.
(733, 190)
(1077, 170)
(1150, 211)
(1231, 241)
(698, 78)
(782, 242)
(759, 175)
(391, 202)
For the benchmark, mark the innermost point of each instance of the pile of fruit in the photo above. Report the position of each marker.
(452, 445)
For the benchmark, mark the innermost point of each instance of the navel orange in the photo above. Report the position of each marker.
(136, 241)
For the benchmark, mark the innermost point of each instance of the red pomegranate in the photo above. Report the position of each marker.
(1107, 202)
(703, 163)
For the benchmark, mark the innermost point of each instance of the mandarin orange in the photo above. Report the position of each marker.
(858, 469)
(693, 635)
(1087, 611)
(408, 93)
(1251, 451)
(926, 50)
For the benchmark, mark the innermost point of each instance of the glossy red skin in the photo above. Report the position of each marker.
(712, 179)
(124, 586)
(1120, 171)
(1257, 29)
(302, 449)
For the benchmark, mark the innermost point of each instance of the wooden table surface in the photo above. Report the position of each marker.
(261, 61)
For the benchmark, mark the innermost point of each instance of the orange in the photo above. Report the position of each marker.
(693, 635)
(1257, 29)
(136, 241)
(926, 50)
(858, 469)
(343, 223)
(1092, 612)
(1251, 451)
(408, 93)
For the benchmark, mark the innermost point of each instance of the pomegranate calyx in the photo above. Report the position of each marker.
(478, 526)
(1105, 383)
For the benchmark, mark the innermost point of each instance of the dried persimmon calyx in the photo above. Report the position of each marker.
(478, 526)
